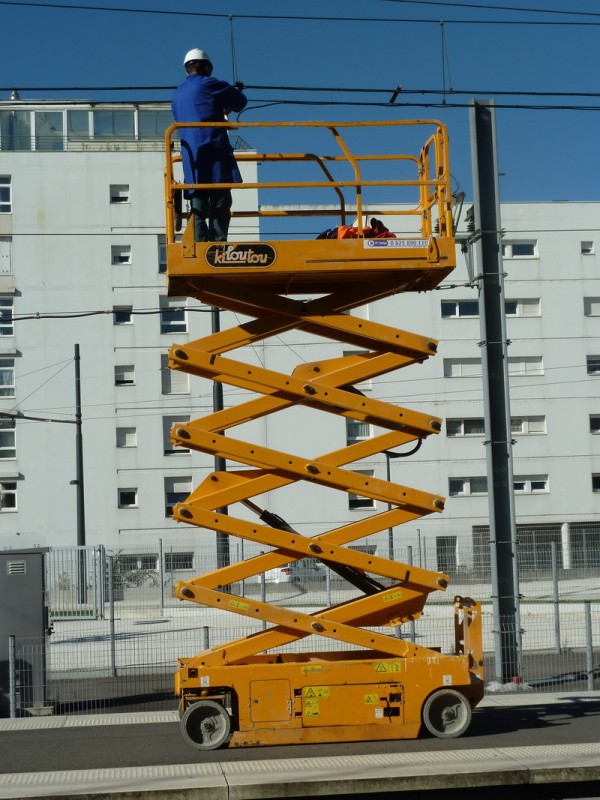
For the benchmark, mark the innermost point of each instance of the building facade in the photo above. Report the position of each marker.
(82, 261)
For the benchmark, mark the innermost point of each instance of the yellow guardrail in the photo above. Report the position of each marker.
(346, 174)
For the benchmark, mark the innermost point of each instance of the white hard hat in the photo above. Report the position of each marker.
(196, 55)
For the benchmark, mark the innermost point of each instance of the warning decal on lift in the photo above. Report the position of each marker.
(387, 598)
(312, 668)
(239, 604)
(371, 699)
(368, 243)
(312, 695)
(387, 666)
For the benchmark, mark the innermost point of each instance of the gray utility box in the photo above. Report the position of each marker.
(24, 617)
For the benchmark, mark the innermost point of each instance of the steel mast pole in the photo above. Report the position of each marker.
(494, 352)
(79, 478)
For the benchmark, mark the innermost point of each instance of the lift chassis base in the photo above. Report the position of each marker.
(334, 697)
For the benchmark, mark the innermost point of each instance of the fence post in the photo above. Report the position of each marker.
(411, 626)
(102, 578)
(328, 585)
(263, 594)
(589, 649)
(12, 675)
(111, 606)
(555, 596)
(205, 637)
(161, 575)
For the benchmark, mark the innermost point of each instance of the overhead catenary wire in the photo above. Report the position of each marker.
(386, 92)
(335, 19)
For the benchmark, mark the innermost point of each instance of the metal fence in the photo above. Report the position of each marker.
(117, 630)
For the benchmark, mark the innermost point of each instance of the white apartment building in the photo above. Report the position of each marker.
(82, 261)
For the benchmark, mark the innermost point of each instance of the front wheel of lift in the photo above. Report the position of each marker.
(205, 725)
(447, 714)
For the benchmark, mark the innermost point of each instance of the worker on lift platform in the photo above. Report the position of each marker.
(207, 154)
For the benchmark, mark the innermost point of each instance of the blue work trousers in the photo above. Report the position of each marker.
(212, 211)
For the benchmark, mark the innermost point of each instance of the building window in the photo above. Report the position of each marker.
(120, 254)
(179, 561)
(525, 307)
(162, 253)
(176, 491)
(153, 123)
(8, 496)
(132, 562)
(520, 249)
(596, 482)
(173, 381)
(117, 124)
(593, 365)
(5, 194)
(49, 130)
(357, 431)
(122, 315)
(461, 487)
(357, 502)
(465, 427)
(126, 437)
(591, 306)
(6, 315)
(587, 248)
(7, 377)
(15, 130)
(527, 426)
(124, 375)
(446, 551)
(594, 423)
(462, 367)
(128, 498)
(173, 317)
(169, 448)
(119, 193)
(525, 365)
(453, 309)
(530, 484)
(78, 126)
(8, 438)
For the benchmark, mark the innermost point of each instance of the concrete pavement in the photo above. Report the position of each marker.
(522, 771)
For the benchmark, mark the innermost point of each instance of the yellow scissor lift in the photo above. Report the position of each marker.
(255, 690)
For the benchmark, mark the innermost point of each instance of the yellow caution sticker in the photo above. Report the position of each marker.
(312, 695)
(311, 668)
(371, 699)
(387, 666)
(388, 598)
(316, 693)
(239, 604)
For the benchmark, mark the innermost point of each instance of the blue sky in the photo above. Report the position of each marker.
(372, 44)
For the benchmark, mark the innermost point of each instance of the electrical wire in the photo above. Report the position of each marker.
(314, 89)
(335, 19)
(486, 7)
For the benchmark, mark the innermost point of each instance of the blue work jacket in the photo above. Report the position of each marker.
(206, 153)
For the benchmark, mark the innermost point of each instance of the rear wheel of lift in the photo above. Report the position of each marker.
(205, 725)
(447, 714)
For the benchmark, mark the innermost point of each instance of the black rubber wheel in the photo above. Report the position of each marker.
(205, 725)
(446, 714)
